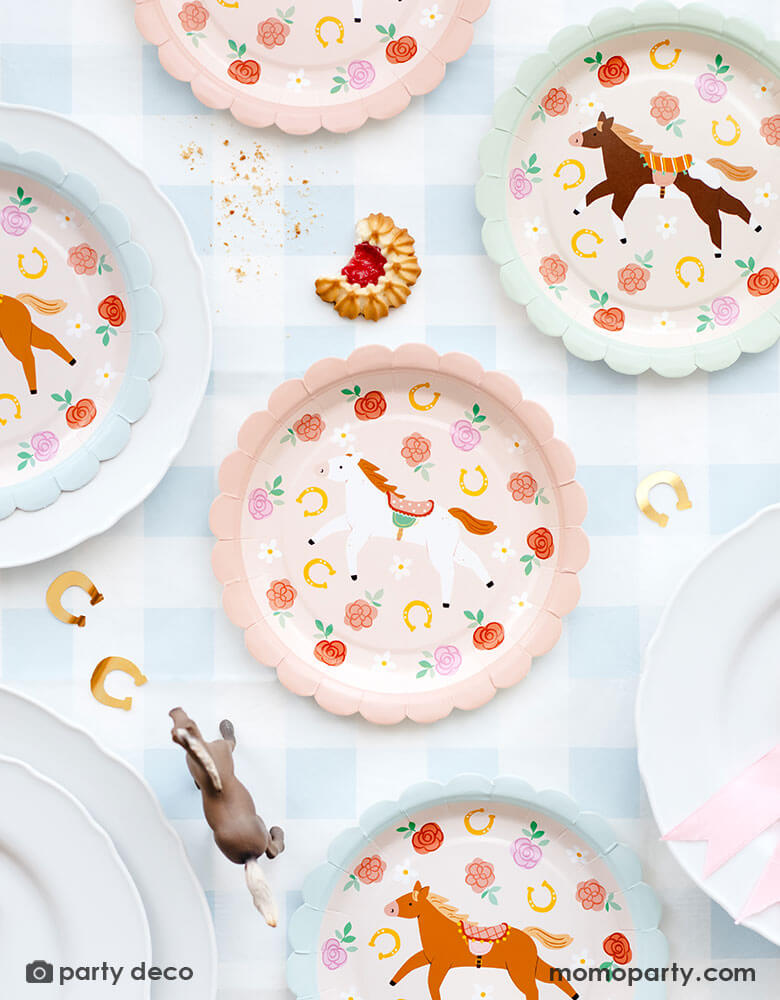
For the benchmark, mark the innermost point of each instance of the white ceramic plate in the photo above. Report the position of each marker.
(148, 845)
(65, 896)
(185, 334)
(708, 701)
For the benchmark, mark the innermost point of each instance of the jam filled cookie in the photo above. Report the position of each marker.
(380, 275)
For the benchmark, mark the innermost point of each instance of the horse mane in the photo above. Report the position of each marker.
(446, 908)
(626, 135)
(375, 477)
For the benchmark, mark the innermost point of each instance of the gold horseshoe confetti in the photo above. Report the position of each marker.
(570, 163)
(655, 479)
(423, 406)
(654, 59)
(57, 588)
(307, 573)
(578, 236)
(535, 906)
(329, 20)
(483, 486)
(396, 942)
(323, 500)
(726, 142)
(41, 270)
(17, 407)
(109, 666)
(681, 264)
(475, 830)
(417, 604)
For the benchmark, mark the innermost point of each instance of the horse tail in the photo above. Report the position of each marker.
(733, 173)
(47, 307)
(261, 892)
(471, 523)
(547, 939)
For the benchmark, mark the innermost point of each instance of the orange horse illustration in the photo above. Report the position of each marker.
(450, 941)
(20, 335)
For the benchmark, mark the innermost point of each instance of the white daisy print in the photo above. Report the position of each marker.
(105, 375)
(400, 567)
(515, 446)
(65, 220)
(590, 106)
(384, 661)
(577, 855)
(297, 80)
(482, 992)
(662, 323)
(581, 958)
(762, 89)
(503, 550)
(534, 229)
(350, 995)
(267, 551)
(431, 15)
(342, 435)
(76, 326)
(404, 872)
(667, 227)
(764, 194)
(519, 603)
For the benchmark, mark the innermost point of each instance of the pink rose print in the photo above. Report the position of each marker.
(553, 269)
(522, 486)
(272, 32)
(770, 129)
(83, 259)
(465, 435)
(14, 221)
(193, 16)
(710, 88)
(633, 278)
(333, 955)
(519, 184)
(480, 875)
(447, 660)
(725, 310)
(525, 853)
(591, 894)
(360, 614)
(361, 74)
(556, 101)
(416, 449)
(664, 108)
(45, 445)
(260, 504)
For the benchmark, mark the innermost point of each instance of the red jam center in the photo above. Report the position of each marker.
(366, 267)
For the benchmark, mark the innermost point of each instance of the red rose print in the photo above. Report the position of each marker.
(371, 870)
(522, 486)
(613, 72)
(193, 16)
(360, 614)
(556, 101)
(401, 50)
(331, 652)
(112, 310)
(272, 32)
(763, 282)
(541, 543)
(281, 595)
(553, 269)
(610, 320)
(371, 406)
(81, 414)
(428, 838)
(244, 71)
(591, 894)
(309, 427)
(617, 947)
(633, 278)
(416, 449)
(480, 875)
(488, 636)
(770, 129)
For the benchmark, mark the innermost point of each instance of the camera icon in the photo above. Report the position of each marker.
(40, 972)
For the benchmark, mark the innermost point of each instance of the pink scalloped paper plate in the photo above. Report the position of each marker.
(307, 66)
(398, 533)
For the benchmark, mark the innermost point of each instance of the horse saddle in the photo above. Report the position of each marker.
(406, 512)
(481, 939)
(666, 168)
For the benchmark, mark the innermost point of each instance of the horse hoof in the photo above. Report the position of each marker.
(72, 363)
(444, 604)
(354, 577)
(490, 583)
(624, 240)
(718, 254)
(311, 541)
(758, 229)
(33, 392)
(576, 211)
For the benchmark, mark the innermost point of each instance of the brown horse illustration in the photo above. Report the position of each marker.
(449, 941)
(630, 163)
(20, 335)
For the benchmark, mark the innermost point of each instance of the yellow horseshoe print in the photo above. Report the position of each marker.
(224, 3)
(727, 142)
(654, 59)
(418, 604)
(396, 942)
(535, 906)
(578, 236)
(688, 260)
(307, 573)
(329, 20)
(483, 486)
(323, 500)
(41, 270)
(17, 407)
(478, 831)
(570, 163)
(423, 406)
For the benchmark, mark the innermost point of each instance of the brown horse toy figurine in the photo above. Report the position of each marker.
(20, 335)
(630, 163)
(449, 941)
(230, 812)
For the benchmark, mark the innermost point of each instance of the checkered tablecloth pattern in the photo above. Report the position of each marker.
(569, 725)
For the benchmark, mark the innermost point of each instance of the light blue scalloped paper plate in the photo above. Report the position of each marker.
(145, 313)
(640, 915)
(518, 281)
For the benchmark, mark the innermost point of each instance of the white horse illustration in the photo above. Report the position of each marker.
(358, 9)
(375, 509)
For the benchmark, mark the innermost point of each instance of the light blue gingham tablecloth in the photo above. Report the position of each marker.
(570, 723)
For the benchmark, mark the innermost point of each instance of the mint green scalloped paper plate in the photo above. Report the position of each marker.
(630, 189)
(512, 863)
